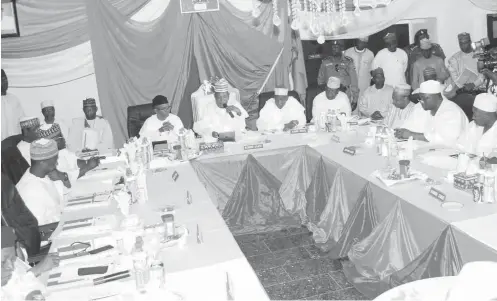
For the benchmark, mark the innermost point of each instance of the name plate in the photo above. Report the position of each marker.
(350, 150)
(437, 194)
(353, 123)
(88, 155)
(299, 131)
(253, 146)
(212, 147)
(335, 138)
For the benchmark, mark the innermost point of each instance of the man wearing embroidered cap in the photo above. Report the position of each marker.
(363, 58)
(67, 162)
(162, 126)
(91, 132)
(29, 126)
(222, 115)
(331, 99)
(19, 280)
(377, 99)
(481, 136)
(48, 111)
(401, 107)
(425, 61)
(281, 113)
(42, 195)
(414, 51)
(443, 121)
(392, 60)
(11, 110)
(340, 66)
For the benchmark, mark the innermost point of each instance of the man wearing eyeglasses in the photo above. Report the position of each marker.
(162, 126)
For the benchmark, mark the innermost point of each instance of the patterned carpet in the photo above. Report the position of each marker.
(290, 267)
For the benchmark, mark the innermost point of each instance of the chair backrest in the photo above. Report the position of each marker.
(17, 215)
(13, 164)
(199, 94)
(11, 141)
(264, 97)
(136, 118)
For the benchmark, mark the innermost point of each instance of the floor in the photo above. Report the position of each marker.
(290, 267)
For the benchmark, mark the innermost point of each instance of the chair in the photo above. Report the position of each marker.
(136, 118)
(199, 94)
(13, 163)
(311, 93)
(264, 97)
(11, 141)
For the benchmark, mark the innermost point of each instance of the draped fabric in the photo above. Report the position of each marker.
(50, 26)
(485, 4)
(388, 241)
(135, 61)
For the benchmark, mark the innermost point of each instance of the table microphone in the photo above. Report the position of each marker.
(229, 112)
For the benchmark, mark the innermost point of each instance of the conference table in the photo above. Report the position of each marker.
(403, 218)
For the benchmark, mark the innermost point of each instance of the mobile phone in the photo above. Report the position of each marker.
(93, 270)
(100, 250)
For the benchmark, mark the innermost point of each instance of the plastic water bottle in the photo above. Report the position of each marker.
(332, 120)
(140, 265)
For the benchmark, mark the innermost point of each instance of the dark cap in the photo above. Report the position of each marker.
(159, 100)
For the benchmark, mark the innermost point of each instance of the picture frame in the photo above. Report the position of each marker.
(492, 28)
(10, 22)
(198, 6)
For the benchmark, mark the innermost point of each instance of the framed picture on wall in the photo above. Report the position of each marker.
(10, 24)
(198, 6)
(492, 28)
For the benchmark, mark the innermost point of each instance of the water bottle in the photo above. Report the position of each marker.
(140, 265)
(331, 117)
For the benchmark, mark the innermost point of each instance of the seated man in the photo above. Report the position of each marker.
(401, 107)
(221, 114)
(377, 99)
(19, 280)
(428, 60)
(442, 121)
(162, 126)
(48, 111)
(42, 196)
(91, 132)
(282, 112)
(481, 136)
(68, 162)
(331, 99)
(29, 126)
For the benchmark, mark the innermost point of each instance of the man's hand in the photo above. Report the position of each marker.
(56, 175)
(93, 162)
(469, 86)
(376, 115)
(48, 263)
(166, 126)
(215, 134)
(233, 109)
(491, 75)
(403, 133)
(290, 125)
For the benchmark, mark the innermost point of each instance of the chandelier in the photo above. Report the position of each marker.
(321, 17)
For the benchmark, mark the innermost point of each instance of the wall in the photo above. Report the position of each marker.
(453, 17)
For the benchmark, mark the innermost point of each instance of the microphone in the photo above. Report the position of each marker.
(229, 112)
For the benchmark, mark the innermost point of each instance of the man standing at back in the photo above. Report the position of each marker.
(428, 60)
(11, 110)
(363, 58)
(392, 60)
(414, 51)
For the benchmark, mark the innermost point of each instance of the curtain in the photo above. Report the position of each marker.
(136, 61)
(485, 4)
(51, 26)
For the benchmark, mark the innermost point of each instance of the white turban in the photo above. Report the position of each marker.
(46, 103)
(486, 102)
(280, 91)
(403, 88)
(430, 87)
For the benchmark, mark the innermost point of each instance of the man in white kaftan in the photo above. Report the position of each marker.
(481, 136)
(29, 127)
(221, 114)
(401, 107)
(42, 196)
(91, 132)
(48, 111)
(281, 113)
(363, 59)
(392, 60)
(12, 110)
(377, 99)
(162, 126)
(442, 121)
(331, 99)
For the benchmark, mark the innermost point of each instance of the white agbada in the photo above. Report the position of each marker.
(22, 283)
(374, 99)
(273, 118)
(42, 196)
(216, 119)
(394, 64)
(12, 112)
(322, 104)
(396, 117)
(445, 127)
(150, 128)
(24, 148)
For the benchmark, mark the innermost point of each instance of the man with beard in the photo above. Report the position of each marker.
(481, 136)
(377, 99)
(162, 126)
(11, 110)
(48, 111)
(392, 60)
(331, 99)
(401, 107)
(363, 58)
(91, 132)
(434, 119)
(281, 113)
(428, 60)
